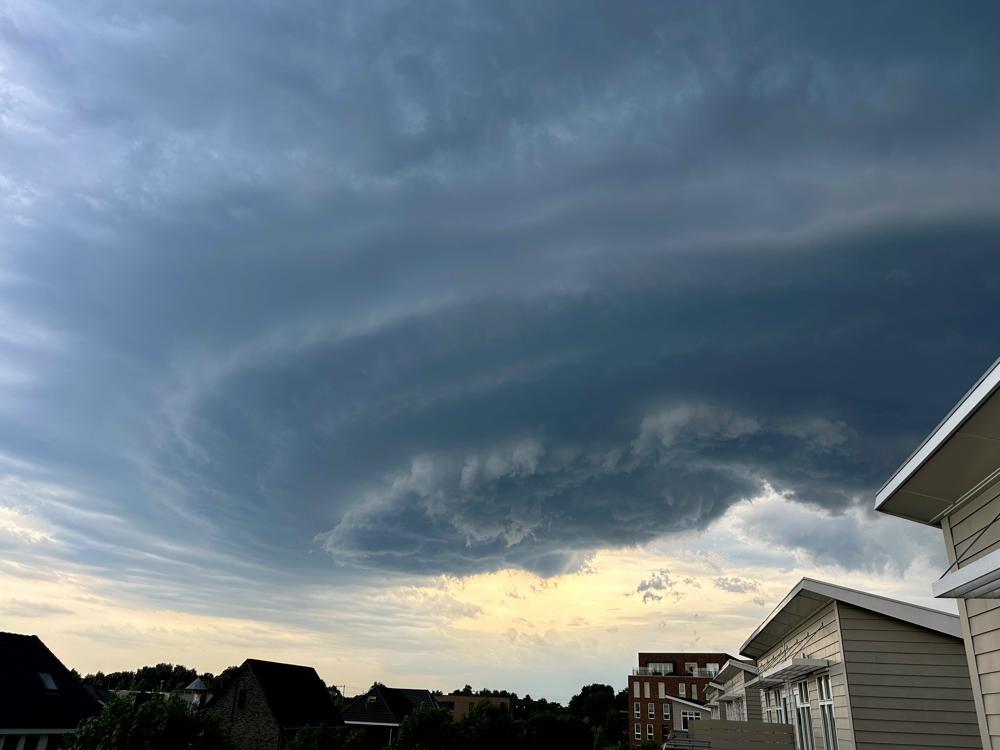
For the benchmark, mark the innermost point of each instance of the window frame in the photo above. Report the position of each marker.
(803, 717)
(651, 711)
(666, 711)
(637, 710)
(689, 716)
(638, 731)
(824, 691)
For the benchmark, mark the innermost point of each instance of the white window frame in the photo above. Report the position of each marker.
(666, 711)
(804, 738)
(689, 716)
(825, 693)
(662, 690)
(651, 711)
(638, 731)
(636, 688)
(645, 689)
(694, 691)
(690, 667)
(682, 690)
(637, 710)
(649, 731)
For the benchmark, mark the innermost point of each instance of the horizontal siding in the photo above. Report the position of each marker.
(909, 686)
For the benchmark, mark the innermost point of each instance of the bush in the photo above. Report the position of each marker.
(157, 724)
(330, 738)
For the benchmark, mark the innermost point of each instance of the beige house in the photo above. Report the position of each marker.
(952, 481)
(730, 695)
(855, 671)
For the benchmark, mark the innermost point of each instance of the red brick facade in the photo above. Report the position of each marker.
(662, 675)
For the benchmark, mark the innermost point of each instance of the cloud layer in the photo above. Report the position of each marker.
(302, 296)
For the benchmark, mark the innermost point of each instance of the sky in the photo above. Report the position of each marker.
(439, 343)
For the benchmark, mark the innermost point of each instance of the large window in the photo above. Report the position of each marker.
(637, 710)
(826, 712)
(651, 711)
(666, 712)
(645, 690)
(690, 667)
(713, 668)
(689, 716)
(661, 667)
(638, 731)
(768, 716)
(803, 718)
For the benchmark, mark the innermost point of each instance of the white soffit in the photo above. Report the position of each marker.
(793, 669)
(953, 463)
(980, 579)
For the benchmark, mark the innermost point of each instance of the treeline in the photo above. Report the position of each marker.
(163, 678)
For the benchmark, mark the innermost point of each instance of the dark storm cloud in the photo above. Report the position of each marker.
(441, 288)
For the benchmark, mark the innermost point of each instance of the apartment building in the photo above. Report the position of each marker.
(667, 690)
(855, 671)
(952, 482)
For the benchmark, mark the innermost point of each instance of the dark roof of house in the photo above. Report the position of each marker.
(295, 694)
(26, 702)
(386, 705)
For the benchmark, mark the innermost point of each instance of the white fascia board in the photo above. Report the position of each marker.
(980, 579)
(371, 723)
(699, 706)
(959, 413)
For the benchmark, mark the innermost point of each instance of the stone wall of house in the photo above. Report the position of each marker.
(249, 723)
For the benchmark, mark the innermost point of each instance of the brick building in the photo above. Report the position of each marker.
(265, 703)
(667, 690)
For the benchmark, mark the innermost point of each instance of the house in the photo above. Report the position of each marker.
(459, 705)
(382, 709)
(952, 481)
(196, 693)
(730, 695)
(40, 700)
(855, 671)
(265, 703)
(665, 681)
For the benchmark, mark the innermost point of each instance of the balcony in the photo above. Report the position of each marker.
(660, 672)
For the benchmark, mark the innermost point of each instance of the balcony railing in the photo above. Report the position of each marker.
(660, 672)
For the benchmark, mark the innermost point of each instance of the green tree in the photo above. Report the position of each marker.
(430, 730)
(157, 724)
(543, 731)
(490, 727)
(330, 738)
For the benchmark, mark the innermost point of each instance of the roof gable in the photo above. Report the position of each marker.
(36, 690)
(809, 596)
(294, 693)
(386, 705)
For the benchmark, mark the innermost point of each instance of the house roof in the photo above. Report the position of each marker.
(197, 684)
(294, 693)
(36, 689)
(386, 705)
(732, 666)
(809, 596)
(686, 702)
(956, 461)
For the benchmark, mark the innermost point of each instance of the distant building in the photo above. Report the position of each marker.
(459, 705)
(952, 482)
(265, 703)
(40, 700)
(667, 690)
(852, 671)
(382, 709)
(196, 693)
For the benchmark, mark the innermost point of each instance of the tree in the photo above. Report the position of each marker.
(547, 730)
(598, 706)
(157, 724)
(490, 727)
(430, 730)
(330, 738)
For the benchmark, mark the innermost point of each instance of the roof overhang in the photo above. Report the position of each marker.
(808, 597)
(793, 669)
(958, 460)
(732, 666)
(979, 579)
(716, 685)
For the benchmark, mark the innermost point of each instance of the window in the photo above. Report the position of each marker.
(691, 667)
(682, 690)
(826, 712)
(662, 690)
(661, 667)
(651, 711)
(241, 698)
(47, 681)
(637, 710)
(649, 731)
(688, 716)
(645, 690)
(803, 718)
(638, 731)
(694, 692)
(712, 667)
(635, 688)
(666, 712)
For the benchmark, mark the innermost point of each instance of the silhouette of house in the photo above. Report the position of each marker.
(265, 703)
(40, 700)
(382, 709)
(196, 693)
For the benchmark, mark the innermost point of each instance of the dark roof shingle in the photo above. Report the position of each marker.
(295, 694)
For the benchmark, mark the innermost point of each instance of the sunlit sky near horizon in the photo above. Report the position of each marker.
(439, 343)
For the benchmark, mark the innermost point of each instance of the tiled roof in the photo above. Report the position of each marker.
(386, 705)
(36, 690)
(295, 694)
